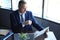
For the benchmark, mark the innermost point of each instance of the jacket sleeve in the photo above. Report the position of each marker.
(36, 24)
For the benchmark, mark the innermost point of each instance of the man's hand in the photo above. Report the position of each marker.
(28, 22)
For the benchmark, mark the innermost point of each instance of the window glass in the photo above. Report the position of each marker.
(6, 4)
(15, 4)
(52, 10)
(35, 6)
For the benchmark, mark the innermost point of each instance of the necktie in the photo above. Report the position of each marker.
(22, 18)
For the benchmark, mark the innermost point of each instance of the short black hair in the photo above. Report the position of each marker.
(21, 3)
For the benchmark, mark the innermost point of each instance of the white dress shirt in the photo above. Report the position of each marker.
(23, 14)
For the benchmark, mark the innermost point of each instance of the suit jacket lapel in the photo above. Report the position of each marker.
(17, 17)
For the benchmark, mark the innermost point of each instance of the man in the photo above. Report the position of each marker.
(22, 20)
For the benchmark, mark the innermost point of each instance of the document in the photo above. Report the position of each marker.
(38, 33)
(50, 35)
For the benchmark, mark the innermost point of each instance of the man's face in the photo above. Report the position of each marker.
(22, 8)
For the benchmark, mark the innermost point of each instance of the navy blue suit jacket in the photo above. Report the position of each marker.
(16, 26)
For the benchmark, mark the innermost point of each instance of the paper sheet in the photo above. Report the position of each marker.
(38, 33)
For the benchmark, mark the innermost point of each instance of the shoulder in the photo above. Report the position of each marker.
(29, 12)
(14, 12)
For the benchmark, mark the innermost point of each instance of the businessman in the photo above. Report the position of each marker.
(23, 20)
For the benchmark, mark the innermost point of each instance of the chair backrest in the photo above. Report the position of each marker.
(5, 17)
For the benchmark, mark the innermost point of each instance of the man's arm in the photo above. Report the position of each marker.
(36, 24)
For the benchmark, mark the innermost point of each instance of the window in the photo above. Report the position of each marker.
(15, 4)
(52, 10)
(35, 6)
(6, 4)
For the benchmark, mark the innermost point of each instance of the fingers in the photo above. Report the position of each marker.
(28, 22)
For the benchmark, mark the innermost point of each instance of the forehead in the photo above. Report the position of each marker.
(24, 6)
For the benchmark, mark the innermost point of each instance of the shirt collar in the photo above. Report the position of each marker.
(21, 13)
